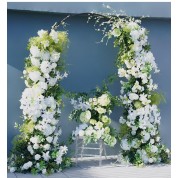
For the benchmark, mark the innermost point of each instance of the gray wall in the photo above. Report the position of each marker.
(88, 63)
(153, 9)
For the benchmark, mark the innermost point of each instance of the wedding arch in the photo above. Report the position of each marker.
(37, 149)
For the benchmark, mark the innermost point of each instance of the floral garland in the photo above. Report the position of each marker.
(93, 113)
(139, 125)
(36, 149)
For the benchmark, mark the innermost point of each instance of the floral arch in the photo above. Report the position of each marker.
(37, 149)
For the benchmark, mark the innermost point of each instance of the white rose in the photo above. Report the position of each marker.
(45, 56)
(34, 50)
(46, 147)
(133, 96)
(37, 157)
(54, 36)
(122, 72)
(49, 139)
(35, 76)
(85, 116)
(36, 146)
(42, 32)
(81, 133)
(35, 61)
(104, 100)
(125, 145)
(55, 57)
(101, 110)
(154, 149)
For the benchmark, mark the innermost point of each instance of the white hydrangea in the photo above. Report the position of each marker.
(41, 33)
(104, 100)
(35, 51)
(55, 57)
(27, 165)
(35, 61)
(133, 96)
(35, 76)
(46, 156)
(125, 145)
(37, 157)
(122, 72)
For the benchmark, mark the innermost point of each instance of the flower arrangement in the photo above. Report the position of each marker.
(139, 125)
(93, 115)
(36, 149)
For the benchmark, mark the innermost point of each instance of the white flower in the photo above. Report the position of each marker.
(132, 25)
(146, 137)
(52, 81)
(45, 67)
(122, 120)
(133, 96)
(128, 64)
(46, 156)
(144, 78)
(135, 143)
(30, 149)
(55, 140)
(45, 56)
(49, 139)
(13, 169)
(58, 160)
(55, 57)
(136, 87)
(157, 139)
(46, 147)
(35, 139)
(44, 171)
(98, 125)
(42, 85)
(54, 36)
(135, 34)
(36, 146)
(35, 76)
(152, 141)
(37, 157)
(85, 116)
(80, 133)
(27, 165)
(154, 149)
(45, 43)
(63, 149)
(104, 100)
(122, 72)
(42, 32)
(125, 145)
(35, 61)
(143, 99)
(34, 50)
(150, 160)
(100, 110)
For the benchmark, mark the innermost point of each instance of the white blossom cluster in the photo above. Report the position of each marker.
(40, 108)
(92, 128)
(143, 117)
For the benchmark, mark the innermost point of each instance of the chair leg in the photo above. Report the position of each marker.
(104, 149)
(76, 150)
(82, 149)
(100, 152)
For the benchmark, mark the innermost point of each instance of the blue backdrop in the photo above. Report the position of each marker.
(88, 62)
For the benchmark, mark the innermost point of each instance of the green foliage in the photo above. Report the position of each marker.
(156, 98)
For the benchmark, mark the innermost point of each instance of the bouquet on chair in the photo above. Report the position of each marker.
(93, 115)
